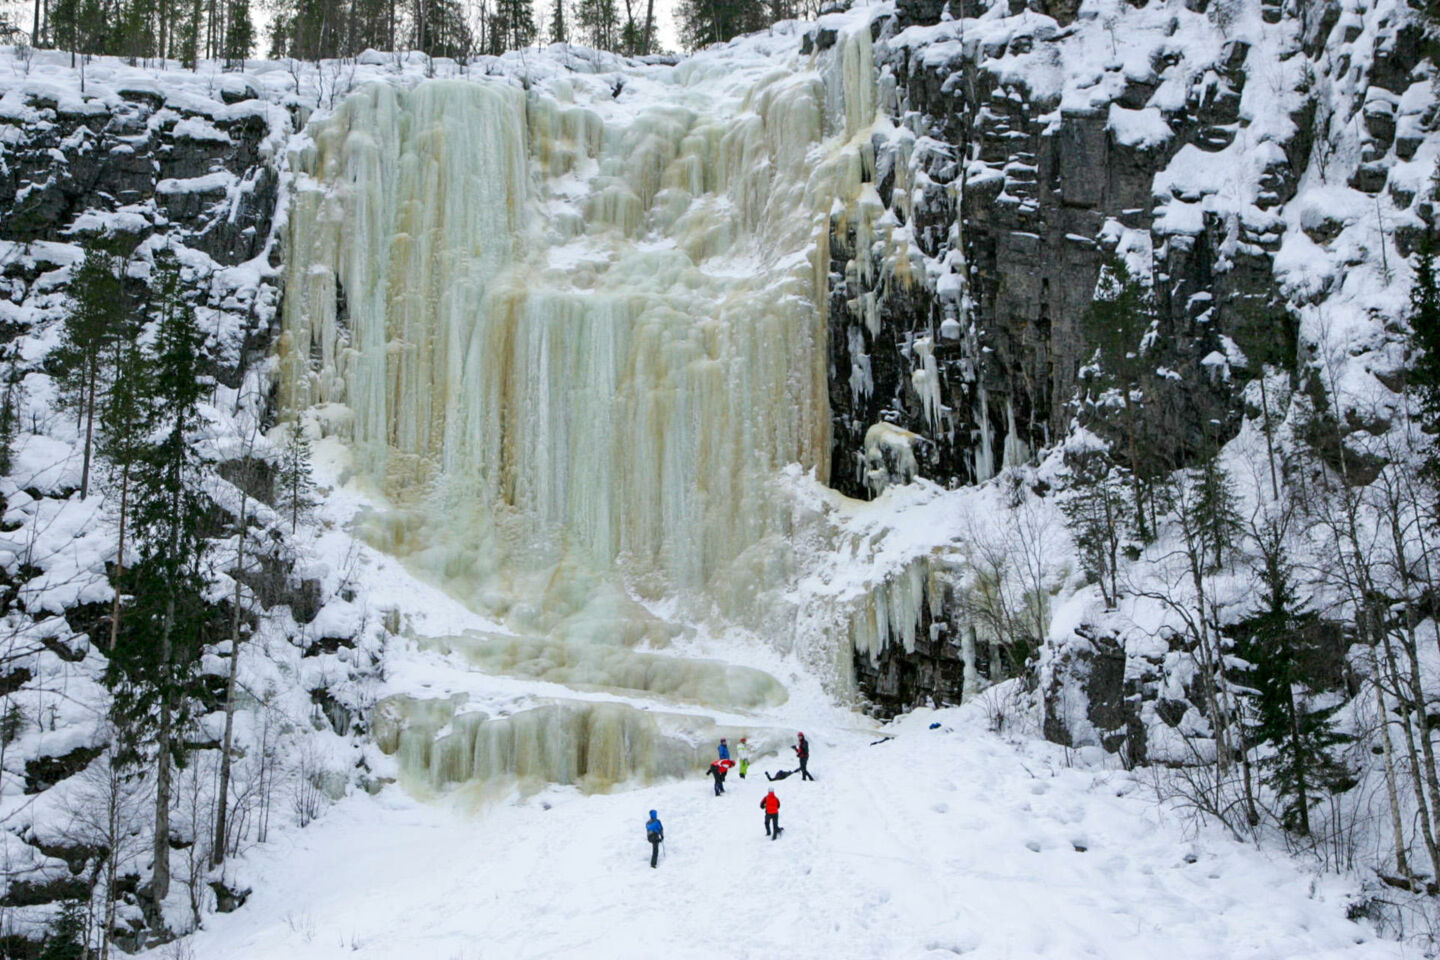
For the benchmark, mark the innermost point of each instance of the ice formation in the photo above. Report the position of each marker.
(573, 330)
(609, 667)
(590, 744)
(568, 333)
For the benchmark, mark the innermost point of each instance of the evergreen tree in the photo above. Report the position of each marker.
(1425, 328)
(1216, 517)
(443, 32)
(66, 937)
(512, 25)
(599, 23)
(1302, 764)
(153, 669)
(1115, 325)
(558, 32)
(10, 398)
(703, 22)
(1096, 511)
(239, 35)
(294, 488)
(93, 319)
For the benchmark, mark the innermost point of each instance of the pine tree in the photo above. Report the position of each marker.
(294, 488)
(1303, 739)
(93, 319)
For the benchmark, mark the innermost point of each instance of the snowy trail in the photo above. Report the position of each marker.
(935, 844)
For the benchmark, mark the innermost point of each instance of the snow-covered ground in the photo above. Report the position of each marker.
(939, 842)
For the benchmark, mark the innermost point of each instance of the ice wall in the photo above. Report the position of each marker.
(569, 332)
(590, 744)
(612, 667)
(573, 329)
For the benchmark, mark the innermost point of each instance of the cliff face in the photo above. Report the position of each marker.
(1244, 156)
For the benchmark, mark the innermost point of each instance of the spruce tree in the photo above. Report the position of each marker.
(153, 668)
(1425, 325)
(1302, 764)
(294, 488)
(514, 23)
(599, 22)
(1097, 512)
(11, 395)
(558, 31)
(239, 35)
(65, 938)
(94, 318)
(1216, 517)
(703, 22)
(1115, 325)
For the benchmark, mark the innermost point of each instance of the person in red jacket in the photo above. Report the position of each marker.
(771, 806)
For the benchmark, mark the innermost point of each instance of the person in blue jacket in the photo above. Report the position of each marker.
(655, 833)
(724, 750)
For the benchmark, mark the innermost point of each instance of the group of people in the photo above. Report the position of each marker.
(719, 767)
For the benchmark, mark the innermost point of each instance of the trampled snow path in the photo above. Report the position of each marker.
(935, 844)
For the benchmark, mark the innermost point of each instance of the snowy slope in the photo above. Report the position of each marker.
(936, 843)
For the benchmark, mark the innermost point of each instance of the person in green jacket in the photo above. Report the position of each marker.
(743, 750)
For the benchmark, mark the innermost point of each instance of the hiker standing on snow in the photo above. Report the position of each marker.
(744, 750)
(802, 750)
(724, 750)
(771, 806)
(655, 833)
(717, 770)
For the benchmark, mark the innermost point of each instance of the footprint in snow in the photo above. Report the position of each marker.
(941, 808)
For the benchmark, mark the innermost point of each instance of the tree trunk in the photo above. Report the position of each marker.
(1134, 468)
(217, 852)
(89, 430)
(1392, 792)
(111, 860)
(1297, 748)
(1269, 436)
(119, 556)
(160, 880)
(1416, 782)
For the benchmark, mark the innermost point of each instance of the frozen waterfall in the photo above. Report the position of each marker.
(570, 330)
(573, 329)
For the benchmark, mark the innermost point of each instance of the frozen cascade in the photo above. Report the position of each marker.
(600, 666)
(572, 338)
(592, 745)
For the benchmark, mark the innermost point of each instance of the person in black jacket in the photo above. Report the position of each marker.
(802, 750)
